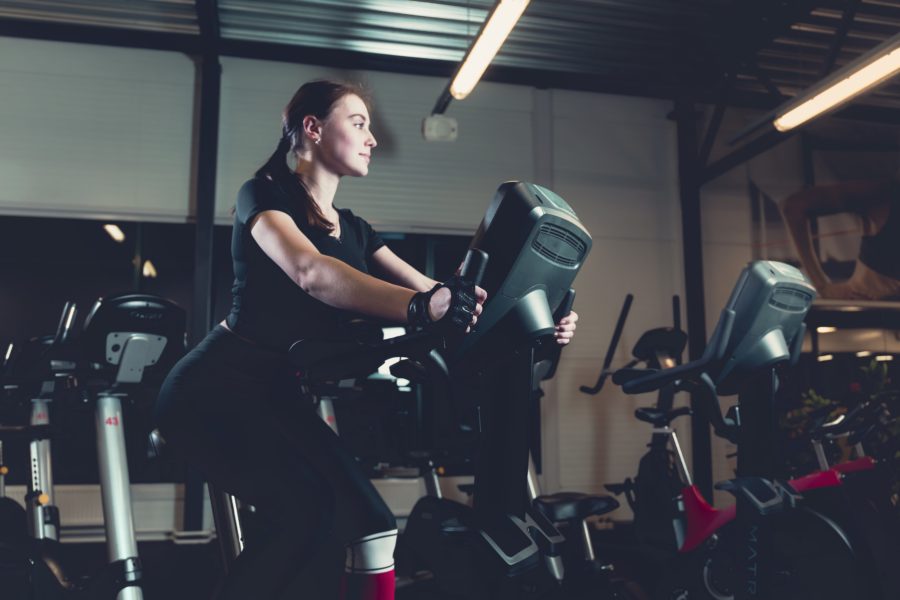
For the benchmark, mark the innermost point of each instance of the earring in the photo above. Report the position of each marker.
(318, 140)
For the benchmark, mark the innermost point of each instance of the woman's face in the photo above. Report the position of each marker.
(347, 142)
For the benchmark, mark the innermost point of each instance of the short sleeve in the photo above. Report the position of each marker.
(371, 238)
(256, 196)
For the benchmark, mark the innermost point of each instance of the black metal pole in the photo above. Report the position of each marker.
(209, 72)
(692, 242)
(210, 80)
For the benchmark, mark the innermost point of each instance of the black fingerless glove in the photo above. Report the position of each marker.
(417, 313)
(462, 305)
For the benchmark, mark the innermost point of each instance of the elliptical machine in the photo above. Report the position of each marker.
(776, 547)
(127, 339)
(502, 547)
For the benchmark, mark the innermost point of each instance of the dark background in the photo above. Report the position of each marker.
(45, 262)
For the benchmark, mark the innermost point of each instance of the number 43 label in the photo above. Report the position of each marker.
(113, 421)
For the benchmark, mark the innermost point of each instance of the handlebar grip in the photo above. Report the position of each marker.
(474, 265)
(565, 306)
(627, 374)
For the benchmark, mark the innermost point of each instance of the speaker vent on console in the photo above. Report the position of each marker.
(790, 299)
(558, 245)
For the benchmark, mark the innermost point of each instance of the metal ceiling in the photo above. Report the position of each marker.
(765, 49)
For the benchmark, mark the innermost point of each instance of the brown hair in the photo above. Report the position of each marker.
(315, 98)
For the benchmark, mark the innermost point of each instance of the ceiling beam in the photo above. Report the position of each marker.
(753, 148)
(839, 37)
(718, 113)
(102, 36)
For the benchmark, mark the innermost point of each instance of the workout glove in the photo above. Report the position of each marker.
(462, 305)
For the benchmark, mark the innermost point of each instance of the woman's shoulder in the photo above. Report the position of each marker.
(260, 194)
(355, 221)
(351, 217)
(259, 186)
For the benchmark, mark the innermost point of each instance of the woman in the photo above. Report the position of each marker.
(876, 274)
(300, 264)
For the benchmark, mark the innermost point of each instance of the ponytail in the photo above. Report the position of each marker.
(276, 170)
(276, 167)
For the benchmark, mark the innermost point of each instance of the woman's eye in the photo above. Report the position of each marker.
(359, 125)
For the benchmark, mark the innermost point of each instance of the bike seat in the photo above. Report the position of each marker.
(659, 418)
(568, 506)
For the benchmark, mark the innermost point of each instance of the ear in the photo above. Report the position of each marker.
(312, 128)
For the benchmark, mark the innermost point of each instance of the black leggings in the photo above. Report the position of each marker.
(229, 408)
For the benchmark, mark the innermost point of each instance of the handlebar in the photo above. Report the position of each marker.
(328, 360)
(713, 352)
(611, 350)
(64, 328)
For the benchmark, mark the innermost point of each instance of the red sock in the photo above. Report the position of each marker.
(364, 586)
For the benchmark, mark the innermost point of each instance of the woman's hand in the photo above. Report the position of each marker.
(440, 304)
(565, 329)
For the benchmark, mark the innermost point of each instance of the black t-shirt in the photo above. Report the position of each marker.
(268, 307)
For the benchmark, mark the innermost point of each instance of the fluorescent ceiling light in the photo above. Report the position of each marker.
(825, 357)
(826, 329)
(861, 75)
(499, 23)
(884, 357)
(9, 350)
(149, 270)
(863, 354)
(114, 232)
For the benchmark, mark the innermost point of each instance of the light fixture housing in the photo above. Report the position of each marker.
(149, 269)
(115, 232)
(497, 26)
(850, 81)
(496, 29)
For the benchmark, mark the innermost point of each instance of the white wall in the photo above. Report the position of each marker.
(615, 162)
(94, 132)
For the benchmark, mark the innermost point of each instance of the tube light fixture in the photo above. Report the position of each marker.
(825, 357)
(826, 329)
(499, 23)
(114, 232)
(9, 351)
(884, 358)
(857, 77)
(149, 270)
(863, 353)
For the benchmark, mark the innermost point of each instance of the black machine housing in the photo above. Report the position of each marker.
(536, 246)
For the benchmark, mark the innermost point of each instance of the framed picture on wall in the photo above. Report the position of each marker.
(843, 231)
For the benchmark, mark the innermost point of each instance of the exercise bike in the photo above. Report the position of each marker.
(126, 340)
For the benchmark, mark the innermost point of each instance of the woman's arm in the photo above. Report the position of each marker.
(397, 270)
(325, 278)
